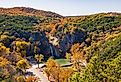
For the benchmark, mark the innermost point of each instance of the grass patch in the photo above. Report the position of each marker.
(62, 61)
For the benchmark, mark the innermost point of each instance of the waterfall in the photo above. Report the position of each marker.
(55, 51)
(51, 50)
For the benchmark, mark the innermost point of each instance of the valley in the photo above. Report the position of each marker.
(57, 48)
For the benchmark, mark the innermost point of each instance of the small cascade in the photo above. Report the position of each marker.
(51, 50)
(55, 52)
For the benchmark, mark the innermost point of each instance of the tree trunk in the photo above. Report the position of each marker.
(38, 64)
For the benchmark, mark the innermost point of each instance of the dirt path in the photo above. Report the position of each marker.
(38, 73)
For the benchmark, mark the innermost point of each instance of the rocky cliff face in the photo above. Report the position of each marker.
(40, 40)
(69, 39)
(59, 46)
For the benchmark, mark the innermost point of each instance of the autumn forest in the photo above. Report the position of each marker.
(42, 46)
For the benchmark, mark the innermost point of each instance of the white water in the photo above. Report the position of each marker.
(51, 50)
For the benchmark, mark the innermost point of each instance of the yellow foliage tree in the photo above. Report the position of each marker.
(31, 79)
(57, 73)
(39, 58)
(4, 50)
(20, 79)
(77, 56)
(21, 46)
(22, 64)
(68, 56)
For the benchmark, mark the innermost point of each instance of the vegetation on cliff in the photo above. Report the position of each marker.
(91, 44)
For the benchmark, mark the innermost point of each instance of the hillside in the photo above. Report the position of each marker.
(91, 43)
(28, 12)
